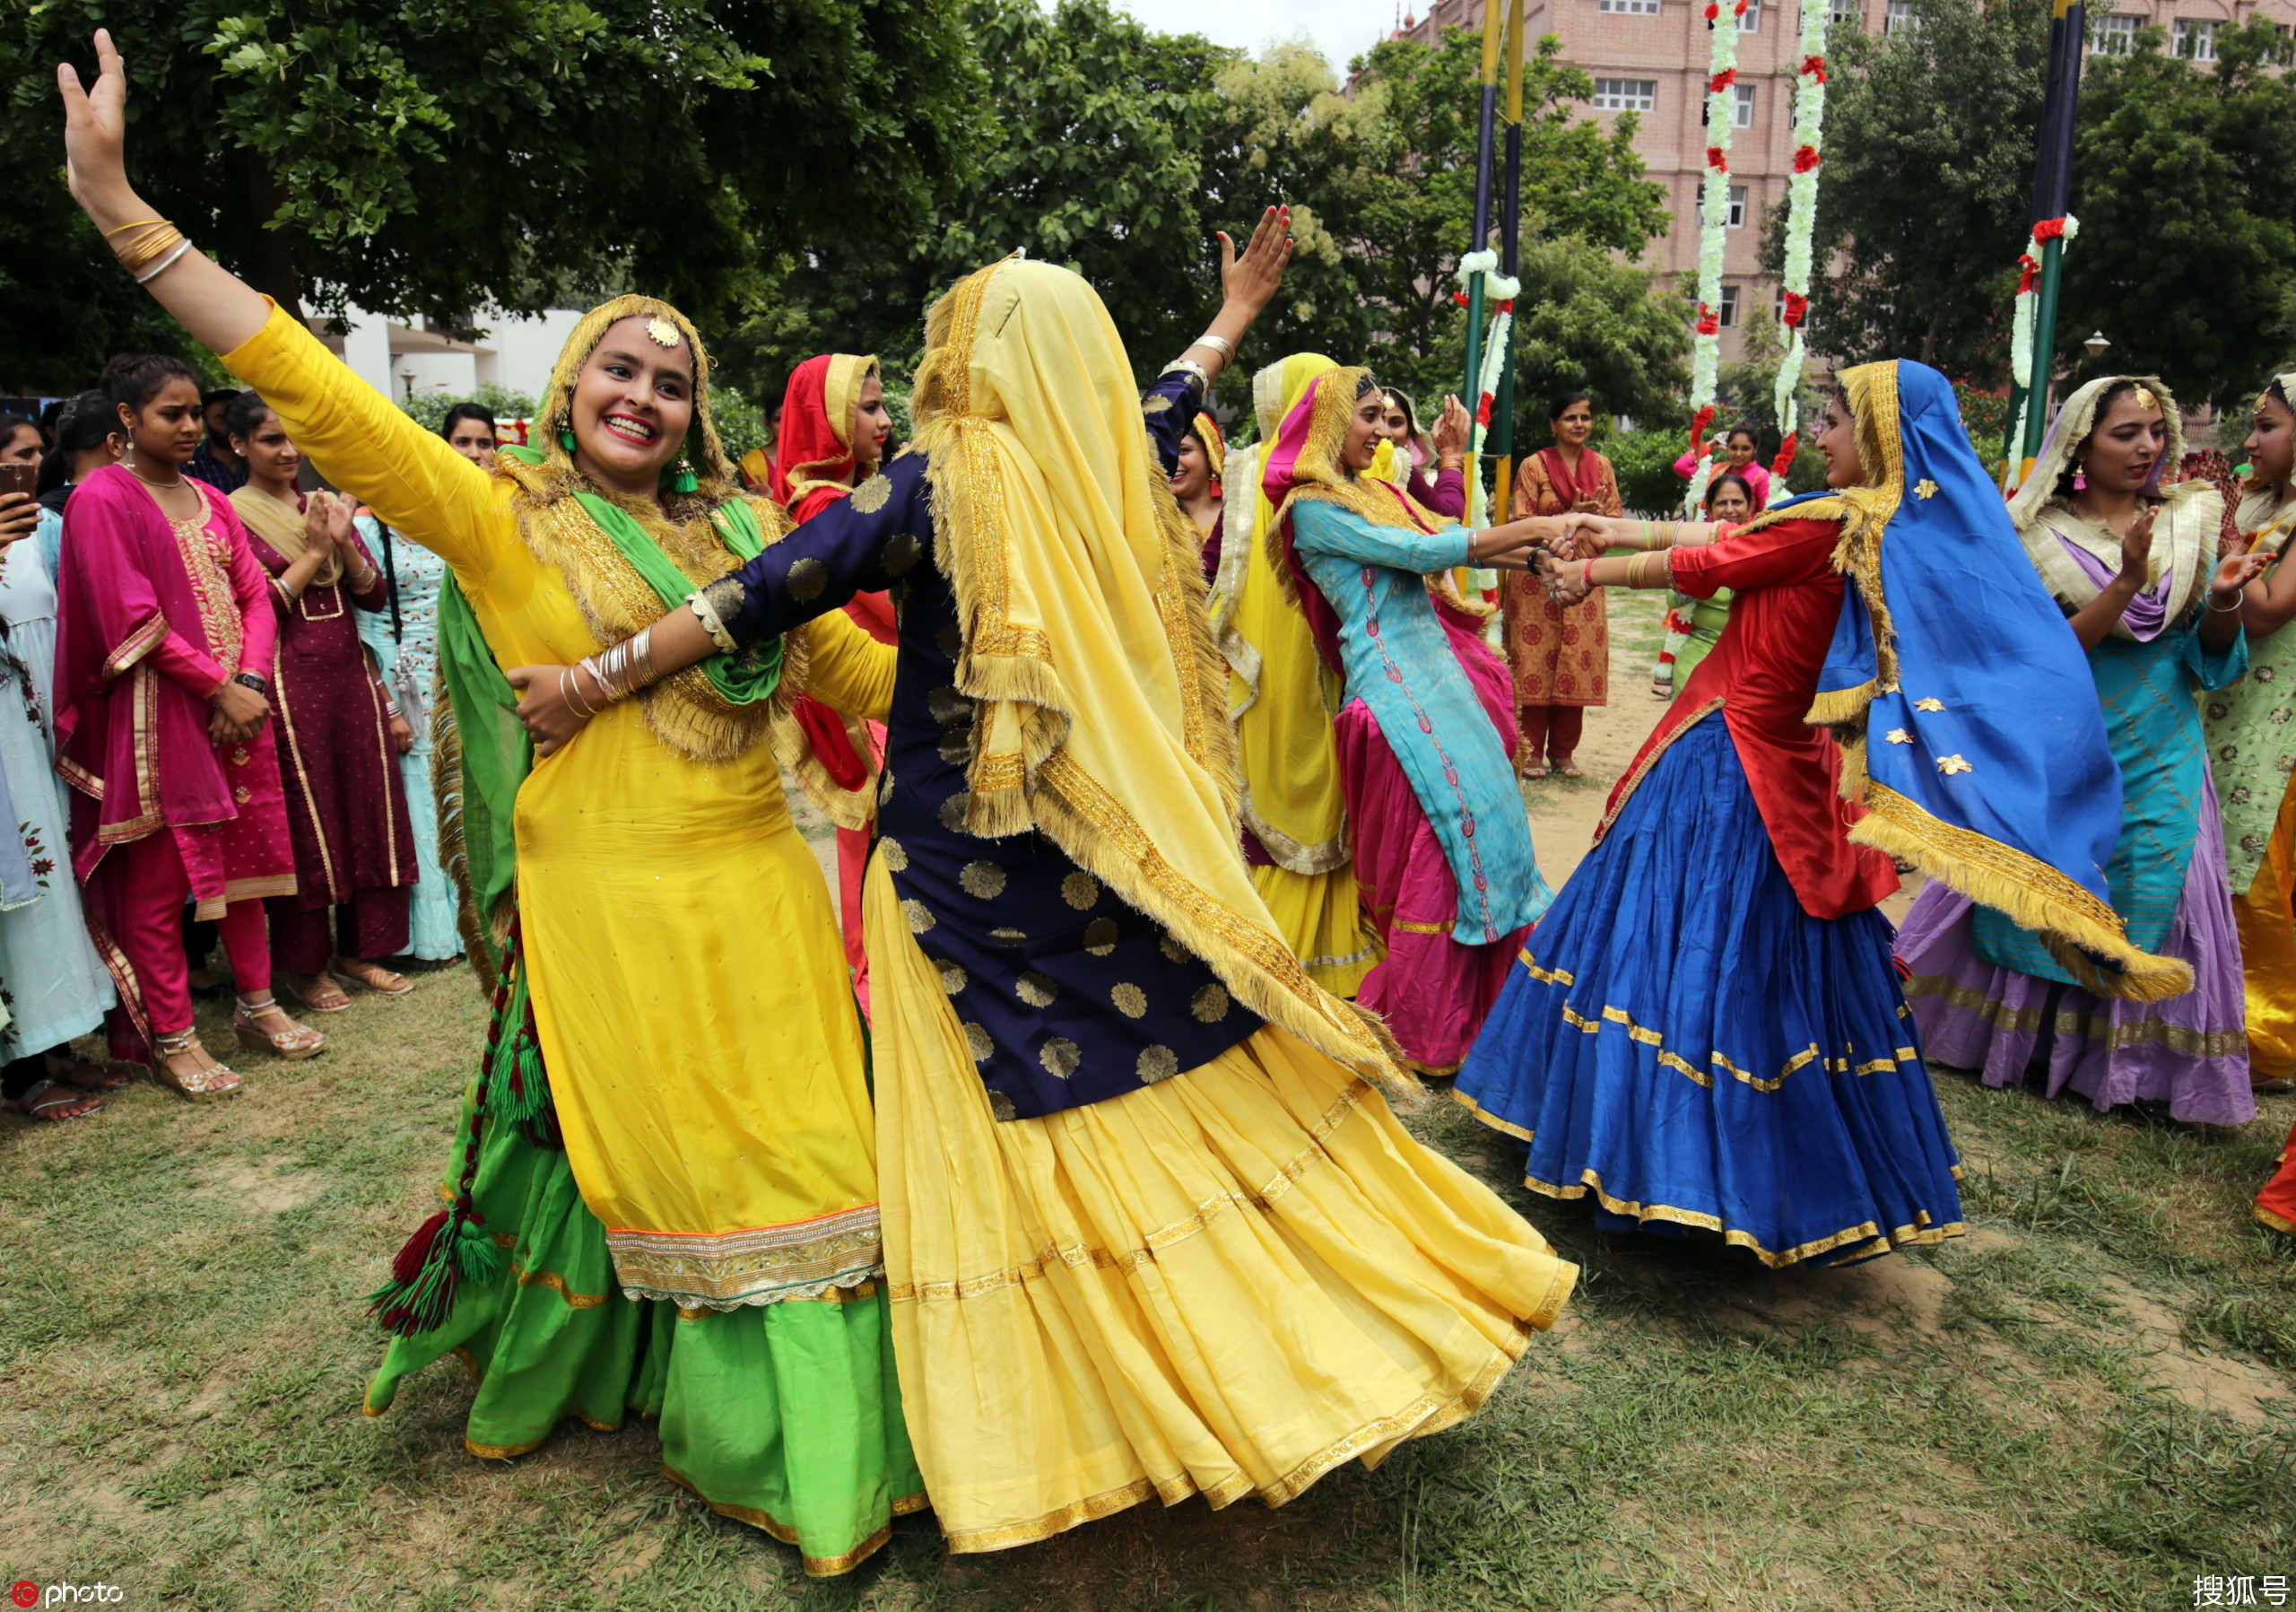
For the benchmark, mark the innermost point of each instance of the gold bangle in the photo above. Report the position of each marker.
(158, 238)
(139, 224)
(1651, 569)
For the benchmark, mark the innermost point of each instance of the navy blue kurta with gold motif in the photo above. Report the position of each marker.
(1068, 996)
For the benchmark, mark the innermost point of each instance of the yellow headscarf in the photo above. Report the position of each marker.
(1279, 695)
(1080, 593)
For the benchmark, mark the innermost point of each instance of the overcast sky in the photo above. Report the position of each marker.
(1340, 29)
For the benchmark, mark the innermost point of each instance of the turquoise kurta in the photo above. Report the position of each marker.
(2152, 721)
(1398, 660)
(409, 665)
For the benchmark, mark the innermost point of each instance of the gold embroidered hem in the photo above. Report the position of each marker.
(758, 1265)
(2265, 1217)
(1922, 1232)
(1074, 1337)
(1370, 1443)
(2097, 1028)
(765, 1522)
(1519, 1132)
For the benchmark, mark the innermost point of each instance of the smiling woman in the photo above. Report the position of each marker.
(672, 1147)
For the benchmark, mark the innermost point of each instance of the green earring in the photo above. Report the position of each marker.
(566, 440)
(682, 476)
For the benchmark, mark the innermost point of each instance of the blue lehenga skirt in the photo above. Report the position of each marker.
(1683, 1042)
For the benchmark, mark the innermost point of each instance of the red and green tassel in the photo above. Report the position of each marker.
(453, 1246)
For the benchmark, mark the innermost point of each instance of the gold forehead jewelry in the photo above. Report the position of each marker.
(660, 331)
(2145, 397)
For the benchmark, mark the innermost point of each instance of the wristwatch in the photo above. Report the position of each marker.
(262, 685)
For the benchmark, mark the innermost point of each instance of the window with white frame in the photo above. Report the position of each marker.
(1750, 19)
(1738, 206)
(1726, 315)
(1743, 115)
(2196, 39)
(1633, 8)
(1626, 95)
(1901, 18)
(2116, 35)
(1847, 14)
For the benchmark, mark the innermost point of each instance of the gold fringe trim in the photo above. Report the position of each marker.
(2031, 894)
(765, 1522)
(2267, 1217)
(1836, 708)
(1921, 1232)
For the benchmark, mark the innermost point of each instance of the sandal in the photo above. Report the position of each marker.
(202, 1085)
(294, 1045)
(1568, 769)
(314, 999)
(1536, 769)
(370, 976)
(44, 1098)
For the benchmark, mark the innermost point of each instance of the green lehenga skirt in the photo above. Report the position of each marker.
(786, 1416)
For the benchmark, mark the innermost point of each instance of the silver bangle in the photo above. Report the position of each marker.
(2238, 600)
(165, 263)
(1218, 344)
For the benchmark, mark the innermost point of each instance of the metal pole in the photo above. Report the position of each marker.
(1480, 236)
(1510, 229)
(2068, 36)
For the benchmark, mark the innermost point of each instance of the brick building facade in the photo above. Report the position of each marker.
(1649, 56)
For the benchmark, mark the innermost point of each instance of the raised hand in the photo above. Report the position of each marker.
(2234, 575)
(95, 126)
(1451, 433)
(2136, 549)
(1250, 280)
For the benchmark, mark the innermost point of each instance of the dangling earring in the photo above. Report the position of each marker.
(566, 440)
(681, 477)
(2080, 477)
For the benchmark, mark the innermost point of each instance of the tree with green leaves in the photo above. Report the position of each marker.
(1926, 192)
(416, 157)
(1093, 153)
(2184, 179)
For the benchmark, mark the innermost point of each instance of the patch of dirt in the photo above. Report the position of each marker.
(271, 1192)
(1880, 1297)
(2217, 1383)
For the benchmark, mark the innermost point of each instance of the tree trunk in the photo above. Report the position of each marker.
(270, 265)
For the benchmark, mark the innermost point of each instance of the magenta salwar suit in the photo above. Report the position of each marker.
(154, 616)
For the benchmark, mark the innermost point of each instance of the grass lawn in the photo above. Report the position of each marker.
(2084, 1404)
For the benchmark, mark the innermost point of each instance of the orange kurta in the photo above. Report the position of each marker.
(1560, 656)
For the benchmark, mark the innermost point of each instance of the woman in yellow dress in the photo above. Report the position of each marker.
(1282, 698)
(689, 1208)
(1149, 1227)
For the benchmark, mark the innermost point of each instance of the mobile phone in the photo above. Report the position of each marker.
(20, 478)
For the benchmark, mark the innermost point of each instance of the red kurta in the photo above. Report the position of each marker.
(1763, 676)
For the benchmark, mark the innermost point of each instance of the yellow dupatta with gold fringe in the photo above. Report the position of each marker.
(1102, 720)
(1280, 696)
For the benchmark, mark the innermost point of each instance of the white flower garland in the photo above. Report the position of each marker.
(1713, 226)
(2024, 319)
(1498, 294)
(1801, 221)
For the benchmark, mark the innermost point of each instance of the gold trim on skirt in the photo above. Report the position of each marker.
(1224, 1283)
